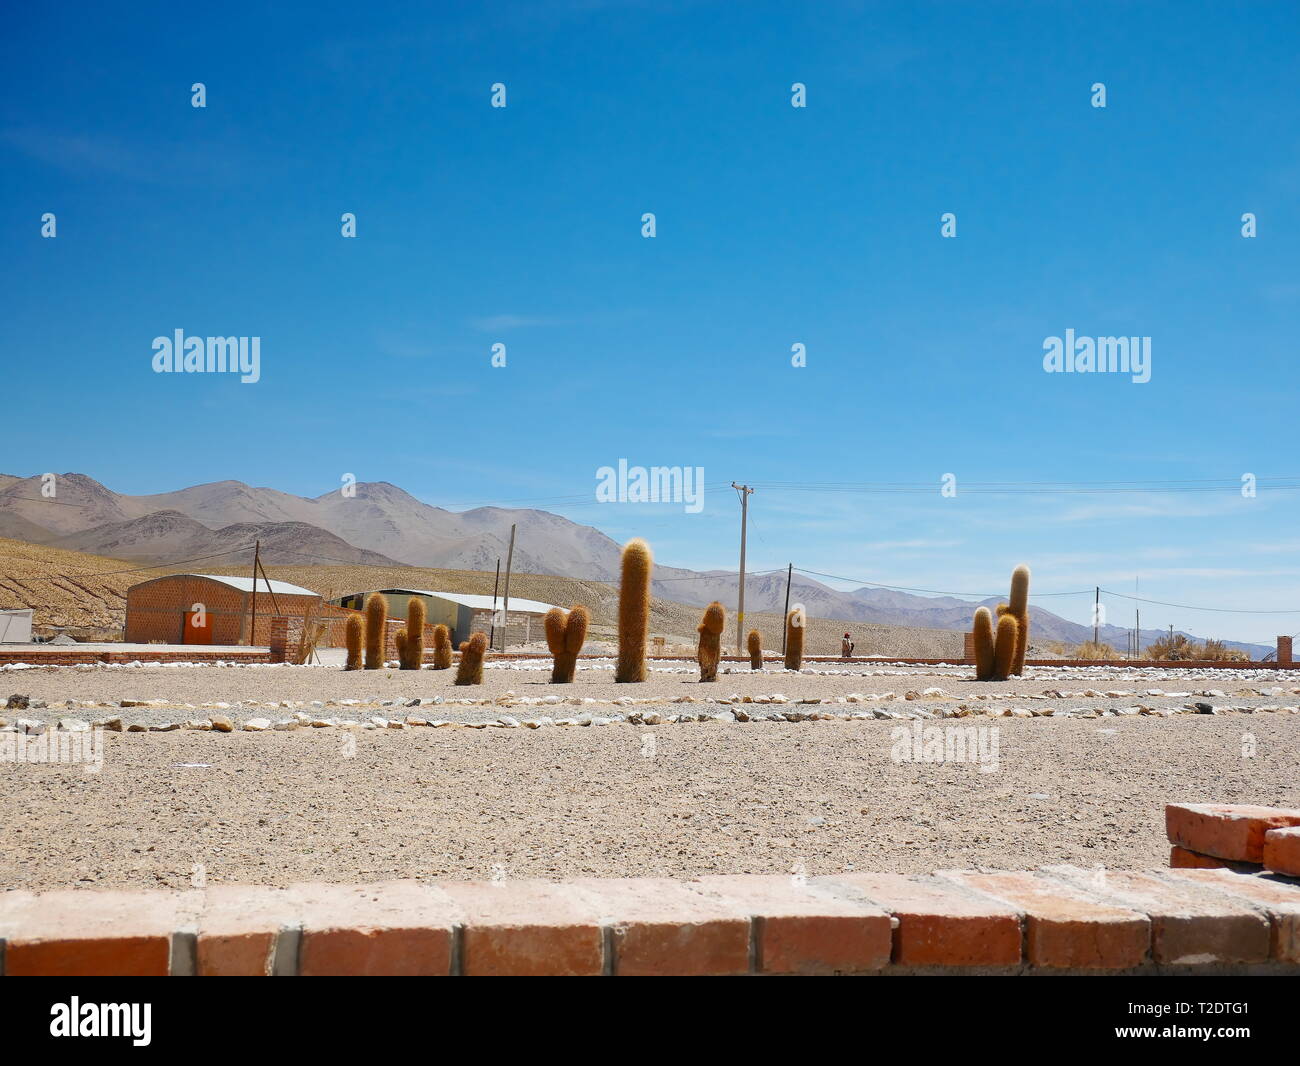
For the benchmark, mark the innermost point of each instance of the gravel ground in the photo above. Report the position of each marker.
(624, 800)
(181, 692)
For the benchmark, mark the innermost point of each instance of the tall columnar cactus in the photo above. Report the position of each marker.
(1004, 646)
(399, 641)
(356, 637)
(470, 669)
(441, 648)
(413, 657)
(633, 611)
(795, 623)
(1019, 608)
(710, 646)
(565, 635)
(376, 630)
(983, 634)
(755, 643)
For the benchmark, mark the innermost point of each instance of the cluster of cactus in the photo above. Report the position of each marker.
(376, 626)
(356, 637)
(633, 611)
(710, 630)
(410, 644)
(565, 635)
(1000, 653)
(755, 644)
(441, 648)
(795, 623)
(470, 669)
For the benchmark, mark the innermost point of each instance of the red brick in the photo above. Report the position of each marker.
(939, 924)
(1282, 851)
(92, 933)
(1187, 926)
(801, 928)
(1183, 859)
(396, 928)
(238, 928)
(1225, 830)
(1278, 900)
(661, 927)
(526, 928)
(1064, 930)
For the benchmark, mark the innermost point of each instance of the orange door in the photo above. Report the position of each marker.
(198, 628)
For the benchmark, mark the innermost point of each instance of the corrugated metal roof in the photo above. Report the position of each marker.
(479, 603)
(245, 584)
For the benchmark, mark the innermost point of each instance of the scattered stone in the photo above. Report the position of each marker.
(222, 724)
(257, 725)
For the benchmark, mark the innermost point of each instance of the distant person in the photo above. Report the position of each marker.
(846, 647)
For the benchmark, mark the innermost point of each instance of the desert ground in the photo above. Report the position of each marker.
(1074, 765)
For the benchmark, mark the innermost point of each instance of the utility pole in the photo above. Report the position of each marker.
(745, 491)
(789, 574)
(1096, 611)
(492, 629)
(257, 562)
(505, 606)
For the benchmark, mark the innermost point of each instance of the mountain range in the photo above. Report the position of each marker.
(382, 525)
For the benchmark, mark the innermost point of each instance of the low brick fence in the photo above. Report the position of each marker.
(1057, 920)
(191, 653)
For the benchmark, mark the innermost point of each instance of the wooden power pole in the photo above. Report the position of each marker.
(505, 606)
(789, 577)
(745, 491)
(257, 562)
(492, 629)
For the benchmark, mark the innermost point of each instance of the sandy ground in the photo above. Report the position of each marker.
(624, 800)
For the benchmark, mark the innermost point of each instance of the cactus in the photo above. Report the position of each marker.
(356, 637)
(565, 635)
(470, 669)
(376, 630)
(1004, 646)
(795, 623)
(755, 643)
(710, 645)
(413, 657)
(983, 633)
(1019, 607)
(399, 641)
(633, 611)
(441, 648)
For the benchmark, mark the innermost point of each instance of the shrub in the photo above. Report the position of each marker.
(441, 648)
(413, 656)
(795, 624)
(710, 630)
(633, 611)
(1095, 649)
(376, 630)
(470, 669)
(356, 637)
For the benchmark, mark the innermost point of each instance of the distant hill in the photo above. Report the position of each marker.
(383, 525)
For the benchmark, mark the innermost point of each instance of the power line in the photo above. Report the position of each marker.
(1188, 607)
(934, 592)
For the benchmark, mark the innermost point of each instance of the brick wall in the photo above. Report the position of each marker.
(156, 610)
(1059, 920)
(1283, 649)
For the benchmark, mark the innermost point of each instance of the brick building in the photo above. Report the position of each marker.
(211, 609)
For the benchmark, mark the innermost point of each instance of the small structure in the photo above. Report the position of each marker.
(16, 626)
(464, 613)
(211, 609)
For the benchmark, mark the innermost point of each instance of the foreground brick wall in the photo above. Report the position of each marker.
(1061, 919)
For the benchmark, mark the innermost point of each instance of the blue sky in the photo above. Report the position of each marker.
(775, 226)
